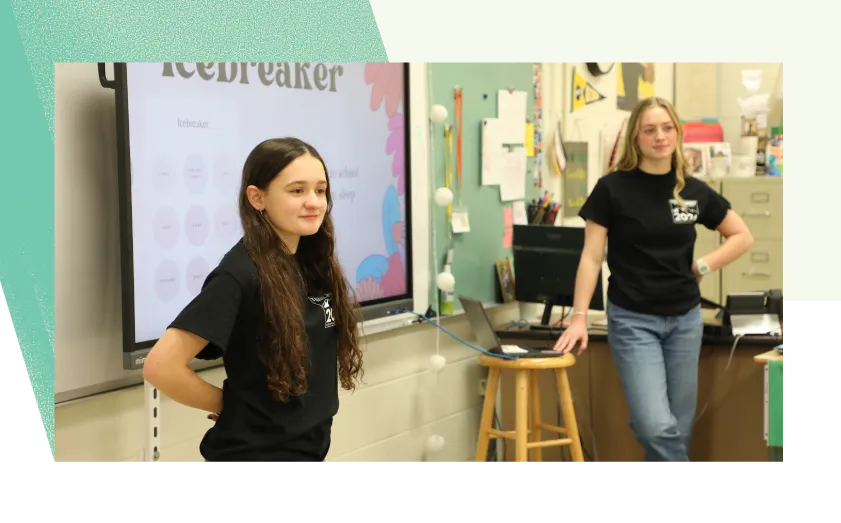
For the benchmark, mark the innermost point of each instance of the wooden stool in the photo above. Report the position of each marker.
(526, 378)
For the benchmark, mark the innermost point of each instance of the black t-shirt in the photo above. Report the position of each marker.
(650, 239)
(253, 425)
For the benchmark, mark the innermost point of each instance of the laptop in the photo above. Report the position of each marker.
(487, 338)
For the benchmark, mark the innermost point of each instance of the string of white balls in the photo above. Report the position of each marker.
(445, 281)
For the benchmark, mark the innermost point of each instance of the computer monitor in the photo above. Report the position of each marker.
(545, 265)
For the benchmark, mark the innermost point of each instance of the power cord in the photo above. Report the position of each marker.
(715, 385)
(492, 448)
(421, 316)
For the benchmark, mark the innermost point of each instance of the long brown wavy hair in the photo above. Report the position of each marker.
(630, 156)
(287, 278)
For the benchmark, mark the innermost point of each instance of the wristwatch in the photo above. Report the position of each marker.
(702, 266)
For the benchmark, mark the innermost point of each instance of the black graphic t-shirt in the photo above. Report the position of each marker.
(651, 239)
(253, 426)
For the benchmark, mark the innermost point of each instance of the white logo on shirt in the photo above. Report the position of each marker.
(684, 215)
(326, 307)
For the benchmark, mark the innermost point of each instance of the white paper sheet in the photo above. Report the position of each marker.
(492, 151)
(513, 186)
(460, 222)
(520, 217)
(511, 111)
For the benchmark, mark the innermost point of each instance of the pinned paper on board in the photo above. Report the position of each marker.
(634, 82)
(575, 178)
(492, 151)
(511, 111)
(507, 217)
(583, 92)
(559, 161)
(519, 210)
(507, 238)
(513, 186)
(460, 222)
(612, 145)
(530, 140)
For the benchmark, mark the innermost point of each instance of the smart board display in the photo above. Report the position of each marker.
(185, 131)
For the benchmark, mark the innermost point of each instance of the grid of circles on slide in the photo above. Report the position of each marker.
(200, 218)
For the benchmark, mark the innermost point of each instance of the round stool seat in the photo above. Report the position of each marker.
(555, 362)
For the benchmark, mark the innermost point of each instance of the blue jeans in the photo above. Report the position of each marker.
(657, 360)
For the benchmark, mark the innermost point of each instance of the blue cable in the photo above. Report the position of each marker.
(421, 316)
(516, 323)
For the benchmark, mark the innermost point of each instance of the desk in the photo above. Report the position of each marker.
(730, 429)
(772, 363)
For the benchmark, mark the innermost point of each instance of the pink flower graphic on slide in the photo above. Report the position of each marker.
(398, 232)
(368, 289)
(388, 84)
(394, 280)
(395, 144)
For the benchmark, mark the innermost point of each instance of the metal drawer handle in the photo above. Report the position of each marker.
(753, 213)
(760, 197)
(761, 274)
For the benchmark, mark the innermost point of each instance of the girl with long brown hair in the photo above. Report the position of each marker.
(280, 313)
(646, 212)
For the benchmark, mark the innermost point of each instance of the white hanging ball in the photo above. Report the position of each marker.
(446, 282)
(438, 113)
(437, 361)
(443, 196)
(434, 443)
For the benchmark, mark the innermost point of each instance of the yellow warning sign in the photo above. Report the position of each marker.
(583, 93)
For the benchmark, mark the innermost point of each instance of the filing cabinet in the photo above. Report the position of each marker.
(759, 201)
(760, 269)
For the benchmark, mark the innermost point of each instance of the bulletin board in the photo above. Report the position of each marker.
(474, 252)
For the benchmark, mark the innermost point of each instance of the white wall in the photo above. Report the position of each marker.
(712, 90)
(388, 418)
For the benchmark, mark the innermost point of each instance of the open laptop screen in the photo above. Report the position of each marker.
(482, 328)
